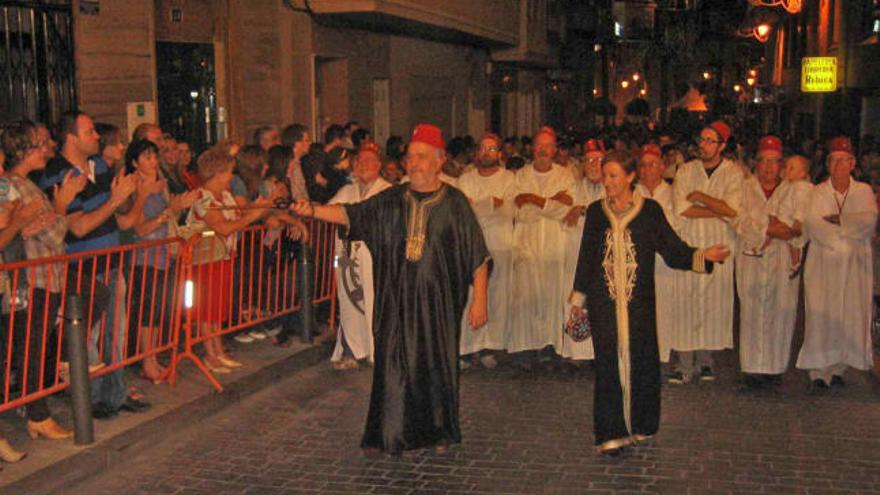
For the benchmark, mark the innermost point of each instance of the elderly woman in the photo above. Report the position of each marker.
(614, 290)
(154, 269)
(214, 210)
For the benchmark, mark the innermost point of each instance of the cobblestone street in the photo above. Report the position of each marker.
(523, 433)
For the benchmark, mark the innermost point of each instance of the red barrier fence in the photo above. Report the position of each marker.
(148, 299)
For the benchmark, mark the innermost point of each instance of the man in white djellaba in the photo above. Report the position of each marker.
(706, 196)
(544, 195)
(768, 292)
(838, 273)
(589, 189)
(651, 169)
(490, 189)
(354, 267)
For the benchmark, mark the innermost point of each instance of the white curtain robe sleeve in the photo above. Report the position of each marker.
(497, 225)
(703, 303)
(355, 314)
(838, 279)
(768, 295)
(539, 262)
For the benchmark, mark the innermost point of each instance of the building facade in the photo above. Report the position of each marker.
(208, 69)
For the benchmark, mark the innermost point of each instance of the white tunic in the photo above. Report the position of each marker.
(585, 194)
(703, 303)
(837, 278)
(664, 297)
(497, 225)
(768, 295)
(539, 261)
(354, 281)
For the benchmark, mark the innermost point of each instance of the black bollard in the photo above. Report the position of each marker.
(306, 269)
(75, 313)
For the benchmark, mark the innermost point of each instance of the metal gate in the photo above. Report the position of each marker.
(37, 79)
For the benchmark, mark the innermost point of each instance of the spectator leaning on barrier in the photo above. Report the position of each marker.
(213, 272)
(154, 272)
(94, 221)
(35, 231)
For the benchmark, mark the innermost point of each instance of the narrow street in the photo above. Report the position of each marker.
(523, 433)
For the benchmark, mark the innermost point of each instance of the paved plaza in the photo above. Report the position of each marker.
(524, 433)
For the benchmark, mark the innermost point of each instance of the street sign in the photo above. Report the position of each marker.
(819, 74)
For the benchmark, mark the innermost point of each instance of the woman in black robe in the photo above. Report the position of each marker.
(614, 284)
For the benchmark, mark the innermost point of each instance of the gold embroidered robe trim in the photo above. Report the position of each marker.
(417, 221)
(623, 266)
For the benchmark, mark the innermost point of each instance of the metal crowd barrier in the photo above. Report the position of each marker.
(158, 313)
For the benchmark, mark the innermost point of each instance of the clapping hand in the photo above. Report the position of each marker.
(180, 202)
(122, 187)
(70, 186)
(31, 217)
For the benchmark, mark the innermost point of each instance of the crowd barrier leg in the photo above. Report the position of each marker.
(187, 328)
(306, 294)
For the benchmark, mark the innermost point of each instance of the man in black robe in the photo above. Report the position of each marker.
(427, 250)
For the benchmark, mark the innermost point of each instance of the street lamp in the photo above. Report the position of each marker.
(762, 32)
(624, 84)
(636, 76)
(750, 81)
(643, 92)
(707, 75)
(737, 88)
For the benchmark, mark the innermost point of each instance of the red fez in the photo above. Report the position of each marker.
(594, 145)
(720, 128)
(429, 134)
(770, 143)
(650, 149)
(546, 130)
(841, 143)
(493, 137)
(370, 147)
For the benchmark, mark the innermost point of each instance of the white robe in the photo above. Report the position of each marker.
(837, 278)
(354, 282)
(703, 304)
(585, 194)
(663, 294)
(497, 225)
(768, 295)
(537, 317)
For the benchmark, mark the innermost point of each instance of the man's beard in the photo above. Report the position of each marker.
(486, 163)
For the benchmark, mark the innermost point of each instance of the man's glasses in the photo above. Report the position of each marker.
(705, 140)
(491, 149)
